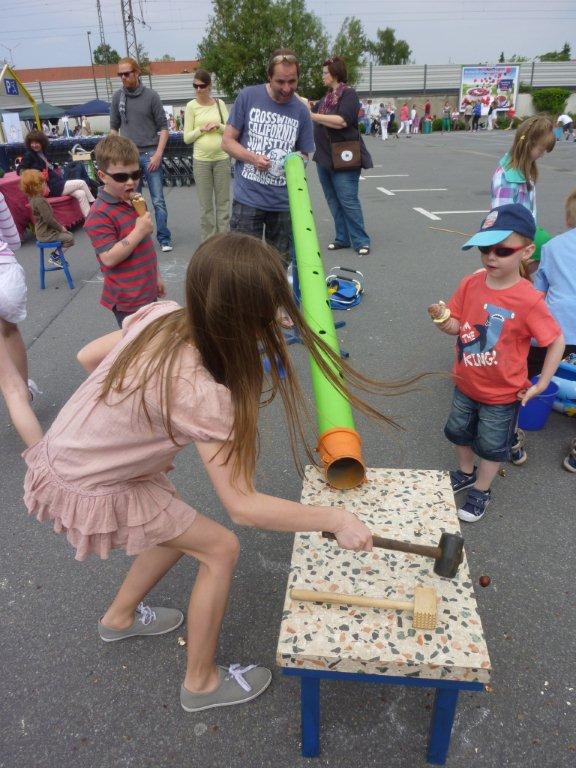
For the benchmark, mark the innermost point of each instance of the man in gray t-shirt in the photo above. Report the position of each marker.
(266, 123)
(137, 112)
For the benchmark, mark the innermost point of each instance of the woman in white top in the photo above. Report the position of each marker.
(204, 122)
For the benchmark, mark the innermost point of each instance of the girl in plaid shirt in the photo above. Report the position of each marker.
(516, 175)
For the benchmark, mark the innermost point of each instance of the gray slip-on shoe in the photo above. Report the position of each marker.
(237, 685)
(147, 622)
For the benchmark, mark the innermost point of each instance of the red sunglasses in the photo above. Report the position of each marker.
(499, 250)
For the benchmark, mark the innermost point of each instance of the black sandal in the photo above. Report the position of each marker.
(336, 246)
(364, 251)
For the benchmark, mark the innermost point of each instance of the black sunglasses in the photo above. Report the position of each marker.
(199, 86)
(122, 178)
(499, 250)
(126, 74)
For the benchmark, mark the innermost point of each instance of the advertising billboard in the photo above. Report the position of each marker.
(487, 83)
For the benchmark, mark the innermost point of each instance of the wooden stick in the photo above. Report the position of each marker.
(452, 231)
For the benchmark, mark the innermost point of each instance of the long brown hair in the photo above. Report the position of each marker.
(235, 287)
(531, 132)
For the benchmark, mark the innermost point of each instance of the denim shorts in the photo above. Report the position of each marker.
(487, 429)
(276, 227)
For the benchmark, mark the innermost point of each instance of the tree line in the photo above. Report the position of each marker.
(242, 33)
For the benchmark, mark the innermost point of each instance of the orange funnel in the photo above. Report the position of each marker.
(341, 454)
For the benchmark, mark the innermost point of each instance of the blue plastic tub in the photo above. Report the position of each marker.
(534, 415)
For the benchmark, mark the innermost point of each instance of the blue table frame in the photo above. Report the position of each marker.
(443, 713)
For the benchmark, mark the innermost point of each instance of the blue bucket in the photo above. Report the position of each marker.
(534, 415)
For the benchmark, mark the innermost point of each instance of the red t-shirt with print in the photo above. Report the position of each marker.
(496, 327)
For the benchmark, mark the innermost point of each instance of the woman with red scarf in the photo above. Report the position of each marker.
(335, 119)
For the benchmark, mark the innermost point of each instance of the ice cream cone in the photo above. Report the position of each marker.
(139, 204)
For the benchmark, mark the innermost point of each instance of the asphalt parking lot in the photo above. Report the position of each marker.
(69, 700)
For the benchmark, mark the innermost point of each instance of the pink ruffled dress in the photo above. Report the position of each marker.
(99, 473)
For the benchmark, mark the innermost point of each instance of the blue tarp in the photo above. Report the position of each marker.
(90, 109)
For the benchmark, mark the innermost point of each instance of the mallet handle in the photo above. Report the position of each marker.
(336, 598)
(399, 546)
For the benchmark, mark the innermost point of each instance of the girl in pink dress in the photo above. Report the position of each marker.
(169, 378)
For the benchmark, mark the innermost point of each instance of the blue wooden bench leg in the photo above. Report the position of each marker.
(66, 269)
(310, 715)
(41, 270)
(443, 714)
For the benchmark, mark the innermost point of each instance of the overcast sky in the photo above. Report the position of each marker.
(34, 33)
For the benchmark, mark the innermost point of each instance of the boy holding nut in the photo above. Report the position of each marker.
(494, 313)
(120, 229)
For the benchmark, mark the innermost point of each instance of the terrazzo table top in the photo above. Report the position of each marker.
(408, 504)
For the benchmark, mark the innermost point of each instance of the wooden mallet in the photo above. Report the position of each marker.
(447, 555)
(423, 607)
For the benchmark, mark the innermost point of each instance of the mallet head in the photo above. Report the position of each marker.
(451, 553)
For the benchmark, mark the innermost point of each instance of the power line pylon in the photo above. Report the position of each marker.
(109, 89)
(129, 29)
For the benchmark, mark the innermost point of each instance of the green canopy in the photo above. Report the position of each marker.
(45, 110)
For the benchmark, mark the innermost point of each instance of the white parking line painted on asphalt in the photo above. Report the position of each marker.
(436, 215)
(445, 213)
(421, 189)
(393, 192)
(430, 215)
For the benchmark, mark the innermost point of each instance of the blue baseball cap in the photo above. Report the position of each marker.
(501, 223)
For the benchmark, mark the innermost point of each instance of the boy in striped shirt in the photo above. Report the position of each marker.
(122, 239)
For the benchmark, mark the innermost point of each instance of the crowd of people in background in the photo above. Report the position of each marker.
(383, 118)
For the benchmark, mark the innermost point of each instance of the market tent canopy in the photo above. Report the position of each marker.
(45, 110)
(90, 109)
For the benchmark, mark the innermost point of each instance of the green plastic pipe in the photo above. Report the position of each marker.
(332, 408)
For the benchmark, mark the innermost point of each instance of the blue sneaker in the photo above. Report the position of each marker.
(570, 460)
(475, 507)
(461, 480)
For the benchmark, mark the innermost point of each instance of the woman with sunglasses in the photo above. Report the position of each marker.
(335, 119)
(35, 159)
(204, 122)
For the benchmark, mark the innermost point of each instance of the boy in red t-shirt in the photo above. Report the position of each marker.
(121, 238)
(495, 313)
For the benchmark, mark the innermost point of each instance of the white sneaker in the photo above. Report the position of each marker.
(166, 248)
(33, 389)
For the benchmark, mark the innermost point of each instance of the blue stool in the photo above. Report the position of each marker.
(56, 246)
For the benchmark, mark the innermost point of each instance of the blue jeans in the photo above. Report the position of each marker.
(155, 181)
(341, 192)
(487, 429)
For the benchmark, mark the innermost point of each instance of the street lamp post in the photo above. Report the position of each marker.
(92, 64)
